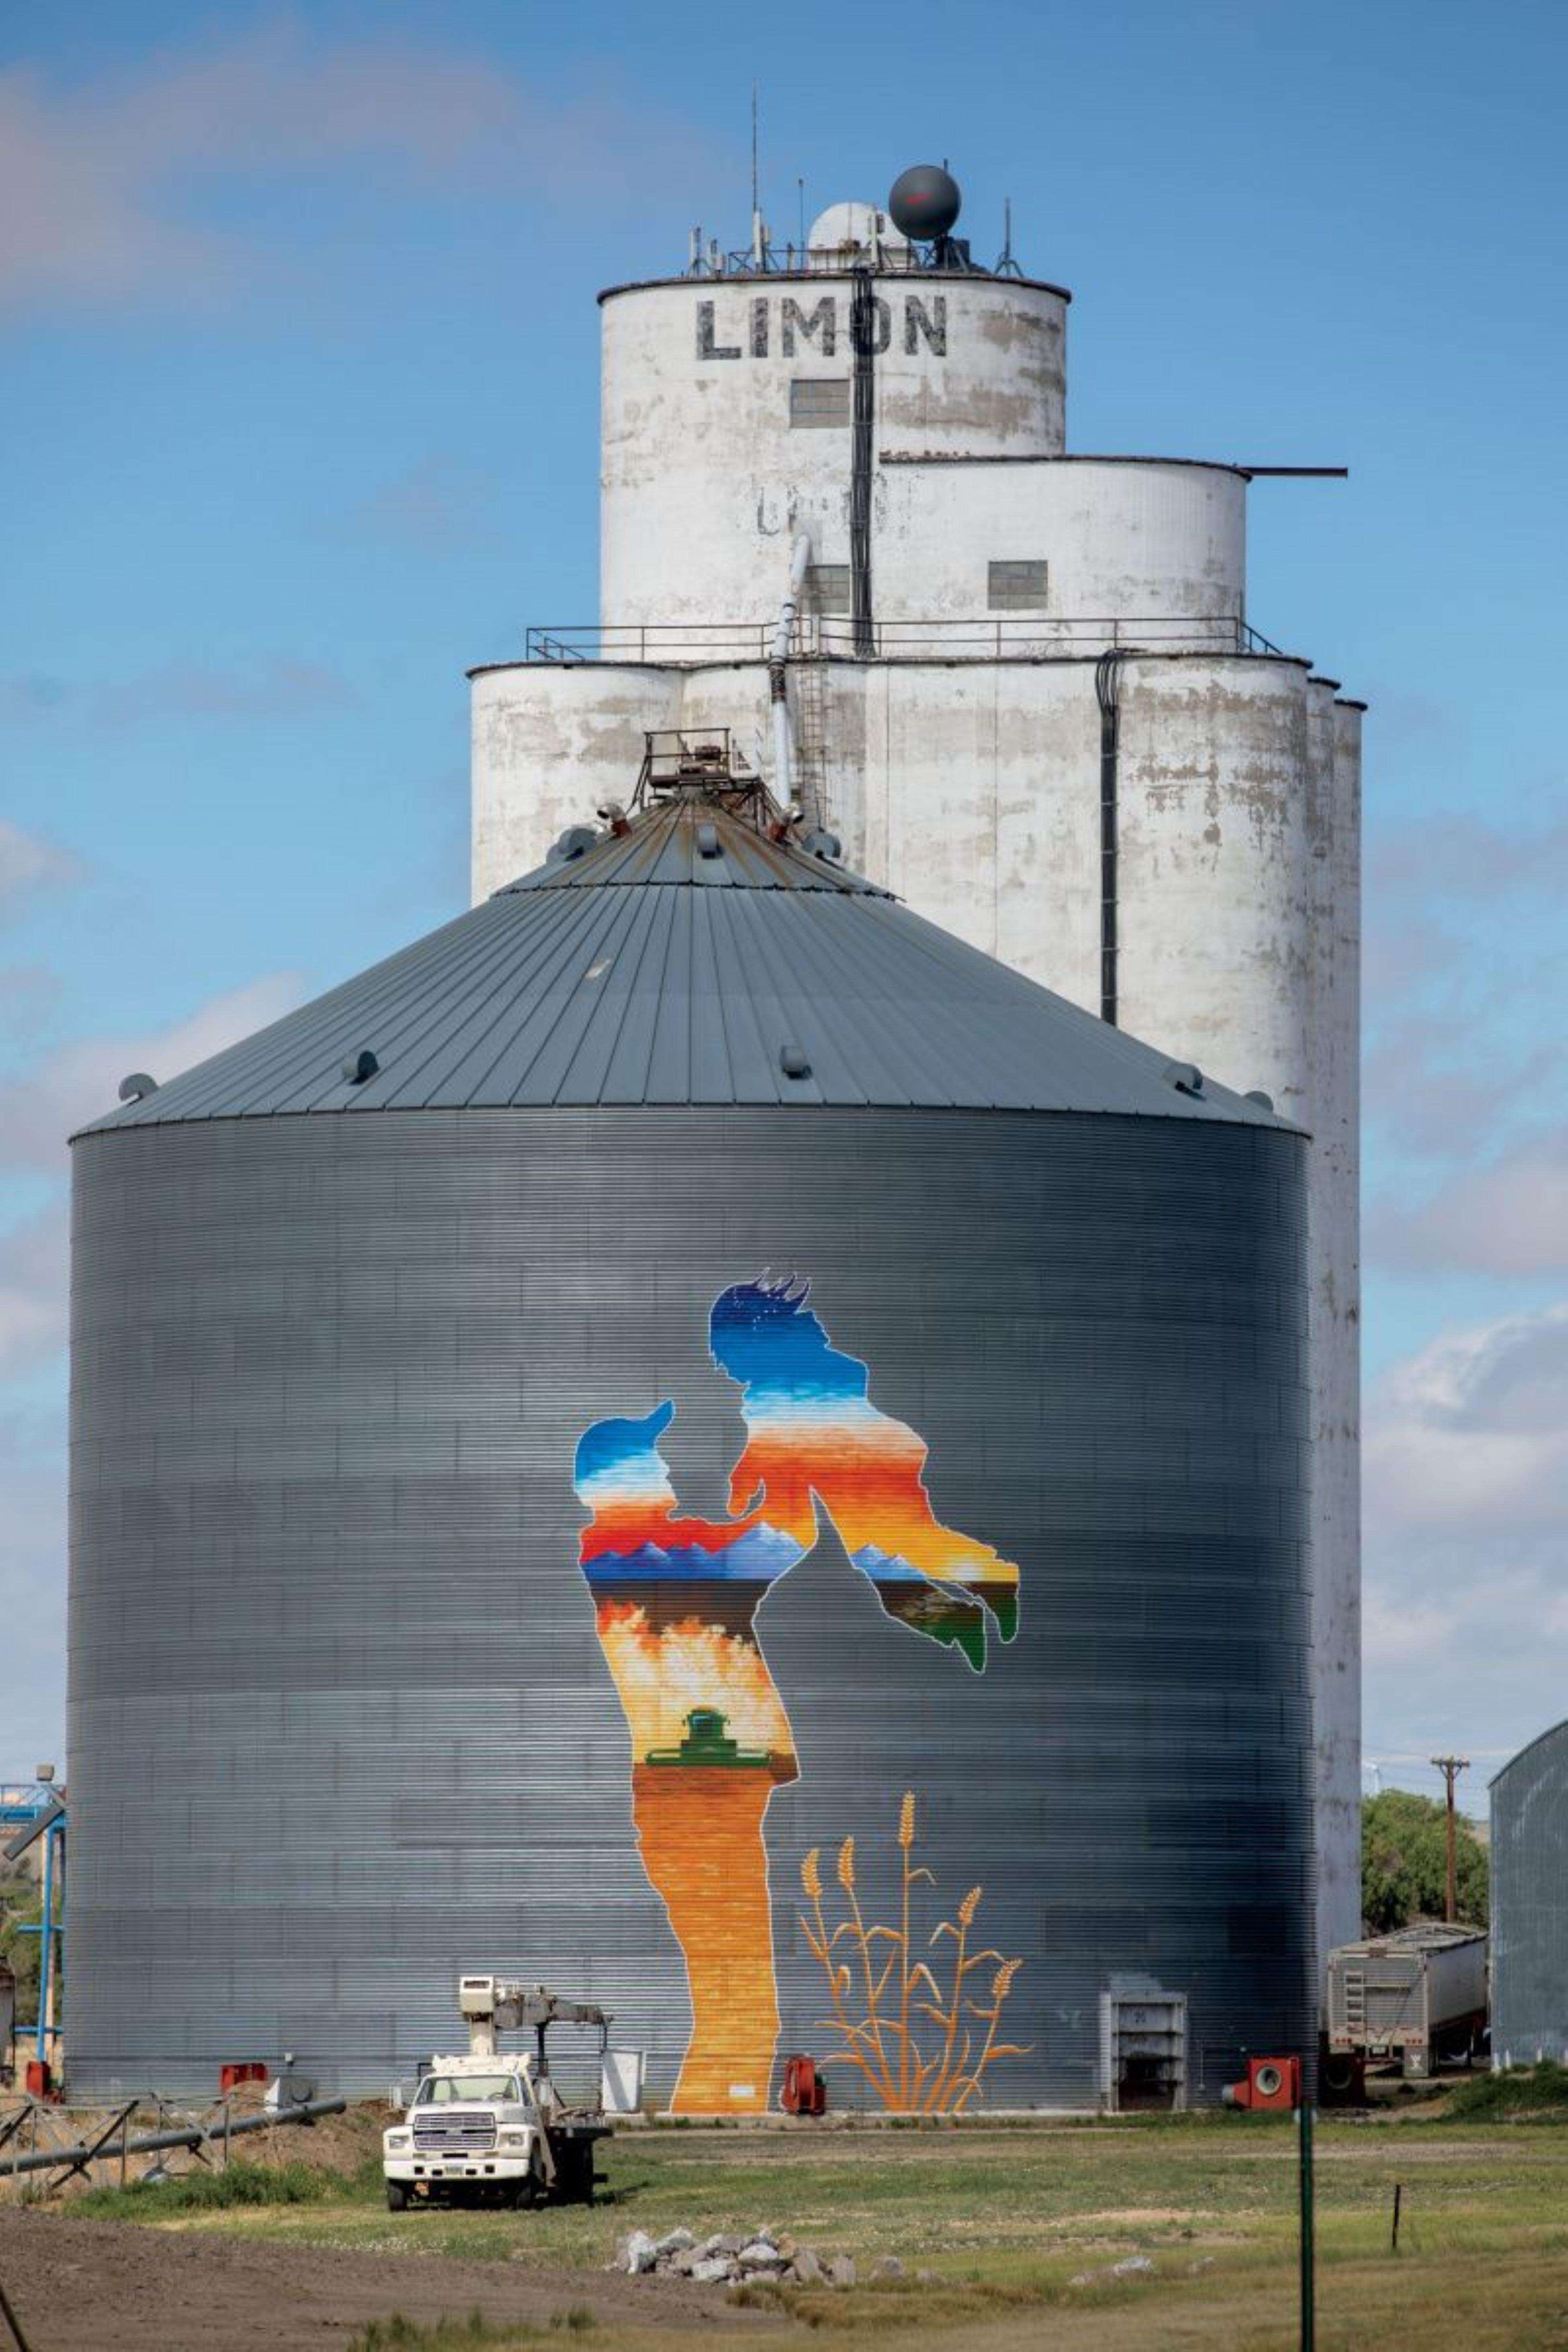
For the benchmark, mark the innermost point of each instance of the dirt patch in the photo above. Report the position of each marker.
(1153, 2216)
(81, 2286)
(337, 2143)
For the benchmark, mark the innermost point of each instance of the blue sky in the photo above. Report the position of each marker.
(300, 396)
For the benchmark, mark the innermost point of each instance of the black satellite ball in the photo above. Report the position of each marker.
(924, 202)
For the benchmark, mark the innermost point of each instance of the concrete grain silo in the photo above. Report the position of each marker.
(1020, 681)
(606, 1445)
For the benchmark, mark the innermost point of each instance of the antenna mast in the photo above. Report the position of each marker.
(759, 227)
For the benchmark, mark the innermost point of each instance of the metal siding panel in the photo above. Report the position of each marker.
(785, 950)
(669, 1063)
(330, 1643)
(616, 994)
(760, 1024)
(871, 1022)
(558, 1026)
(448, 1059)
(711, 1079)
(543, 991)
(408, 1022)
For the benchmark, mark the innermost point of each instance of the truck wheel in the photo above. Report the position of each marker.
(396, 2197)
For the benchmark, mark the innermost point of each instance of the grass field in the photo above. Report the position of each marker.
(1021, 2229)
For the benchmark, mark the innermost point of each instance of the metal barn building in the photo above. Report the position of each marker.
(613, 1443)
(1530, 1904)
(1023, 684)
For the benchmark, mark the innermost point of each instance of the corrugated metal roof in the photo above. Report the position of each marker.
(634, 972)
(1556, 1732)
(670, 845)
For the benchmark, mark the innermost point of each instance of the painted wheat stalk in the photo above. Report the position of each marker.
(899, 1990)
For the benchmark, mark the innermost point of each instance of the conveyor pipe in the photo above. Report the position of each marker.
(778, 655)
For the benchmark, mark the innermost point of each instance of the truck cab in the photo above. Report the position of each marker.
(473, 2127)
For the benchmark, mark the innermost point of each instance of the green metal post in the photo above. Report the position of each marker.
(1309, 2317)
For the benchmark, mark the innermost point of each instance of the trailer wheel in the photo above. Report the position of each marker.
(396, 2197)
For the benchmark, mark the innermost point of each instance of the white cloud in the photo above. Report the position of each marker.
(105, 181)
(1441, 1081)
(26, 860)
(33, 1590)
(279, 689)
(431, 508)
(81, 1080)
(1466, 1610)
(1508, 1220)
(1461, 855)
(1398, 955)
(34, 1278)
(30, 693)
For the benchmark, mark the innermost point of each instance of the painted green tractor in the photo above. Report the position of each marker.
(708, 1742)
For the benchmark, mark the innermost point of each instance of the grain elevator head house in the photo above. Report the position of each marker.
(697, 1406)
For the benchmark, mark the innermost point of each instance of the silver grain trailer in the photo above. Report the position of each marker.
(1417, 1995)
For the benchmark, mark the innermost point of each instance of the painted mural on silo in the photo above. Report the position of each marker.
(675, 1606)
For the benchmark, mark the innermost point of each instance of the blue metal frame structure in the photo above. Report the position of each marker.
(37, 1809)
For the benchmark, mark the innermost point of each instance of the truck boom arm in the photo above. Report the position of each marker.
(495, 2005)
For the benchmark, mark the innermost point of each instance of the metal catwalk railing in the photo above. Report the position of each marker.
(996, 636)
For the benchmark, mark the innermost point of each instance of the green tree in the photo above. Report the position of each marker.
(1404, 1864)
(21, 1902)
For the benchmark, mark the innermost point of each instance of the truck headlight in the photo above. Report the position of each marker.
(515, 2138)
(394, 2141)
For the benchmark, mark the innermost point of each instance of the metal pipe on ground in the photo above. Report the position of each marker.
(185, 2136)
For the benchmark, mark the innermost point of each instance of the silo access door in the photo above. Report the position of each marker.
(1143, 2050)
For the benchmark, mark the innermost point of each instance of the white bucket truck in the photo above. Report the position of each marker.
(489, 2125)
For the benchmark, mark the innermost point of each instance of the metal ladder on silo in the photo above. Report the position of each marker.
(810, 719)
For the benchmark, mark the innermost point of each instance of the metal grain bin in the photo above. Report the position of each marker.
(1530, 1904)
(686, 1413)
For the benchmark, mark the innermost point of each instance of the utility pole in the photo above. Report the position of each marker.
(1450, 1767)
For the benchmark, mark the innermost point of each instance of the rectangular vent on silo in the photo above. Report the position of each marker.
(819, 400)
(827, 584)
(1017, 585)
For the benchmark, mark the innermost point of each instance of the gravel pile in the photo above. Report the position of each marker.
(739, 2257)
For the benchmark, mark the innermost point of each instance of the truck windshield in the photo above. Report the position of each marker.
(446, 2090)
